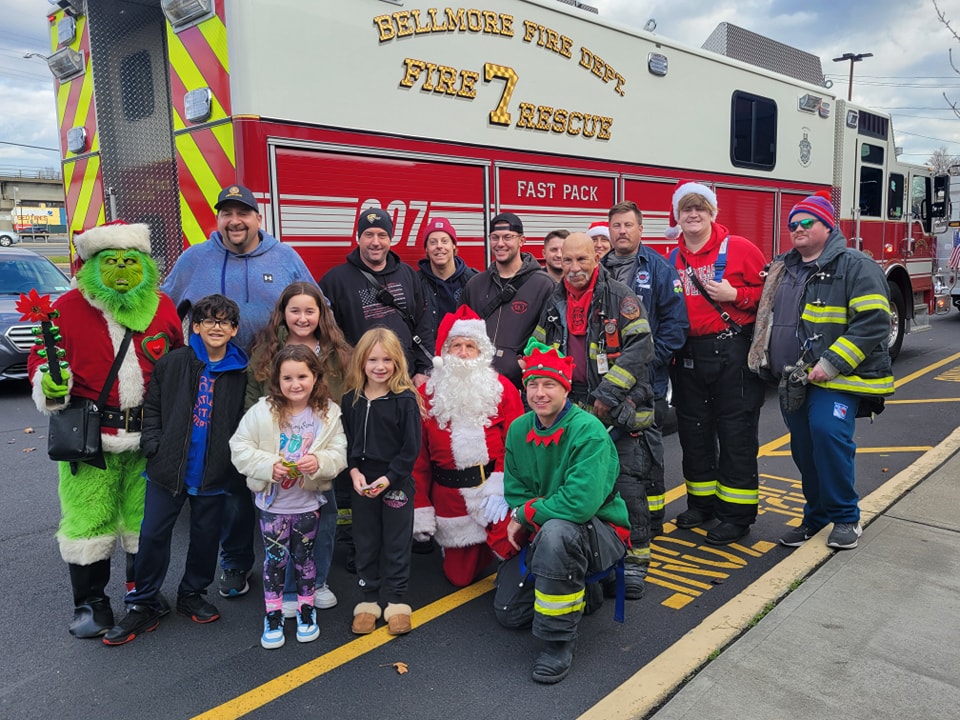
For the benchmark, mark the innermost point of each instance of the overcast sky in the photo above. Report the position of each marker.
(907, 76)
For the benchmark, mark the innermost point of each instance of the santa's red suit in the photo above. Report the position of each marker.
(460, 470)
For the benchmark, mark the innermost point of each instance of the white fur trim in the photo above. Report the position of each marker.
(86, 551)
(475, 329)
(123, 441)
(48, 406)
(468, 444)
(130, 542)
(697, 188)
(599, 230)
(394, 609)
(367, 607)
(672, 232)
(459, 532)
(425, 520)
(437, 362)
(112, 237)
(130, 386)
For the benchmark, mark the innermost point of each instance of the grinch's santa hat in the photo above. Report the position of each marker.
(462, 323)
(682, 189)
(599, 228)
(115, 235)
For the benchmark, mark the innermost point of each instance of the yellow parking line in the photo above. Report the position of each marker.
(299, 676)
(921, 401)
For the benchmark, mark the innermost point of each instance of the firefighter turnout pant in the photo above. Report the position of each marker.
(651, 443)
(635, 462)
(555, 600)
(718, 404)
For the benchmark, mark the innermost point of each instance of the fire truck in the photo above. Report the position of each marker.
(537, 107)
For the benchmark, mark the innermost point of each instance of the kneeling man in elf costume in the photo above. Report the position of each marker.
(117, 290)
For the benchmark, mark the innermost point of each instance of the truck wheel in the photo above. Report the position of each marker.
(897, 320)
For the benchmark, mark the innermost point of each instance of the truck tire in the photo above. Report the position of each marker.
(898, 319)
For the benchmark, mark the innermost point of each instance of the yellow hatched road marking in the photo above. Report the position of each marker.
(270, 691)
(922, 401)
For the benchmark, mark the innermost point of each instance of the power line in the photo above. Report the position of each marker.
(32, 147)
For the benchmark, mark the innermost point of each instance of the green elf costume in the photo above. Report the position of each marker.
(116, 289)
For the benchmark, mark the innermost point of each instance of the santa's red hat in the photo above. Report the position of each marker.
(599, 228)
(462, 323)
(115, 235)
(680, 191)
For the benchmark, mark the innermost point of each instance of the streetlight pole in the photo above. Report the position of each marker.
(853, 58)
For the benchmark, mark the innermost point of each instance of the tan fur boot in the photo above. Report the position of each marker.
(365, 616)
(397, 616)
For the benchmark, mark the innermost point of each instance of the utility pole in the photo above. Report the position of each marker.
(853, 58)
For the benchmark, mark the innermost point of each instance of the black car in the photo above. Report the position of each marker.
(22, 270)
(35, 232)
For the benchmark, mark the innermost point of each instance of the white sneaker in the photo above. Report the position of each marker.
(290, 608)
(323, 599)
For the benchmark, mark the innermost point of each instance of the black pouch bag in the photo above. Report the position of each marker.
(74, 434)
(793, 388)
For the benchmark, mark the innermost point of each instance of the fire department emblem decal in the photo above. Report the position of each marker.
(805, 148)
(519, 307)
(372, 217)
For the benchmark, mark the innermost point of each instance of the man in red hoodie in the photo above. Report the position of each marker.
(717, 400)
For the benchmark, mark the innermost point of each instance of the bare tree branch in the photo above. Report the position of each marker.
(946, 23)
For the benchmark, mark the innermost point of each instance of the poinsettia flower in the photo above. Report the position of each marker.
(35, 307)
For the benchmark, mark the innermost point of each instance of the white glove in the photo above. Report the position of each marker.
(421, 536)
(495, 508)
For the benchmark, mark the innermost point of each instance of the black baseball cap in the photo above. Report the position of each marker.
(237, 193)
(507, 219)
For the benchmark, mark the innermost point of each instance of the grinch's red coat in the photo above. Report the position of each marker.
(455, 516)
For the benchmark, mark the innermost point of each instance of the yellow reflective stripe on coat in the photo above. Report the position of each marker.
(859, 386)
(824, 313)
(640, 326)
(701, 489)
(620, 377)
(863, 303)
(738, 496)
(558, 604)
(848, 351)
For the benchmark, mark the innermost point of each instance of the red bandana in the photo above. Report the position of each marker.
(536, 439)
(578, 304)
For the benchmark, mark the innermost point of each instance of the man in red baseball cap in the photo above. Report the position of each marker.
(442, 274)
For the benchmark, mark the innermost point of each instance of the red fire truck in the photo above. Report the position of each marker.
(532, 106)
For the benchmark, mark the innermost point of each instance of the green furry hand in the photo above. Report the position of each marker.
(51, 389)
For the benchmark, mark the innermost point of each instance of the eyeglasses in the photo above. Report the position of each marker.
(210, 323)
(509, 237)
(805, 224)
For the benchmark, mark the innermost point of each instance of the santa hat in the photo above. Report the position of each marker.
(819, 206)
(115, 235)
(547, 362)
(599, 228)
(680, 191)
(436, 224)
(463, 323)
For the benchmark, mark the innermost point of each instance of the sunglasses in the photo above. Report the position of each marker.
(805, 224)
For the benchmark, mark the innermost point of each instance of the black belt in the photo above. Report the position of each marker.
(466, 478)
(130, 419)
(746, 331)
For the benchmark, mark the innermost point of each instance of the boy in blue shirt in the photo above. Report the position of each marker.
(192, 408)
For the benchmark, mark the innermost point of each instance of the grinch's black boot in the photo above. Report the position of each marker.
(92, 614)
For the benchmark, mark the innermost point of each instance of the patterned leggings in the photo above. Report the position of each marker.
(285, 536)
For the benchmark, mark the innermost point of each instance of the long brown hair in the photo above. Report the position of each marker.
(334, 349)
(399, 381)
(318, 396)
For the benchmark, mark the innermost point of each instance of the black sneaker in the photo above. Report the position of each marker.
(233, 583)
(195, 607)
(139, 619)
(692, 518)
(795, 537)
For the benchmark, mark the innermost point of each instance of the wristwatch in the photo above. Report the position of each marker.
(515, 515)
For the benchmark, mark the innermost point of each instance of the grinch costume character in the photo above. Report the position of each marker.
(459, 472)
(116, 291)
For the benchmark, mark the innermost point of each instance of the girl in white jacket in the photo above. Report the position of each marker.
(290, 445)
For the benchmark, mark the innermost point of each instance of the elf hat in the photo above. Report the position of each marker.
(462, 323)
(819, 206)
(599, 228)
(114, 235)
(547, 362)
(680, 191)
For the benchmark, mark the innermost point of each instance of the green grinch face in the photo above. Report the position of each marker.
(120, 270)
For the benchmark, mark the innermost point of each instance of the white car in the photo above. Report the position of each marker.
(8, 237)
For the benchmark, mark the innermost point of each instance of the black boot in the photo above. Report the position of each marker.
(554, 662)
(92, 614)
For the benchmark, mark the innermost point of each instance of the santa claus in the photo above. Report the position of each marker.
(459, 473)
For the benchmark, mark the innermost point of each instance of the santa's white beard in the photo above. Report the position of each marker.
(467, 391)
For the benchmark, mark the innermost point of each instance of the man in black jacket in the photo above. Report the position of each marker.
(508, 295)
(375, 288)
(193, 405)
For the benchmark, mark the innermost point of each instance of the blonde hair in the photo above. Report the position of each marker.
(388, 340)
